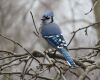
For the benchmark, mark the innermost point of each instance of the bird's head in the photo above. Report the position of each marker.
(47, 17)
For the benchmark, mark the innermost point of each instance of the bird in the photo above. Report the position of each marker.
(52, 33)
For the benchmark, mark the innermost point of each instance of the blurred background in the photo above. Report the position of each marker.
(16, 24)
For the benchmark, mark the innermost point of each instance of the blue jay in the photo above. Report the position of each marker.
(52, 34)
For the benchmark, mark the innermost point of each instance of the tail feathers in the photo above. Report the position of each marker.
(67, 56)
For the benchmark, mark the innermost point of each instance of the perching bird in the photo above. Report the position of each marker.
(51, 32)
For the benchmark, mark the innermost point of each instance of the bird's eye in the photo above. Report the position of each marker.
(47, 17)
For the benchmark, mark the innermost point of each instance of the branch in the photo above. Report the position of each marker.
(20, 46)
(94, 4)
(12, 61)
(7, 52)
(86, 27)
(85, 48)
(36, 33)
(71, 40)
(74, 32)
(30, 74)
(90, 68)
(58, 56)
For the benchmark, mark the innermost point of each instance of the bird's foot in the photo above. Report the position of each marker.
(74, 66)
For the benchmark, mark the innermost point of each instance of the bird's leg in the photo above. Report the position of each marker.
(47, 57)
(45, 53)
(55, 53)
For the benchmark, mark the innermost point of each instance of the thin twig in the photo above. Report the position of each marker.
(30, 74)
(24, 69)
(71, 40)
(74, 32)
(36, 33)
(29, 65)
(94, 4)
(86, 27)
(6, 52)
(9, 66)
(20, 46)
(74, 73)
(85, 48)
(12, 61)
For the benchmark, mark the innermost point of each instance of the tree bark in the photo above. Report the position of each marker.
(97, 15)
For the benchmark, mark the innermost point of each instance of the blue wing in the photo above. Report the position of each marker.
(58, 42)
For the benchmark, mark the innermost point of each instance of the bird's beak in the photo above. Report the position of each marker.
(42, 19)
(45, 18)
